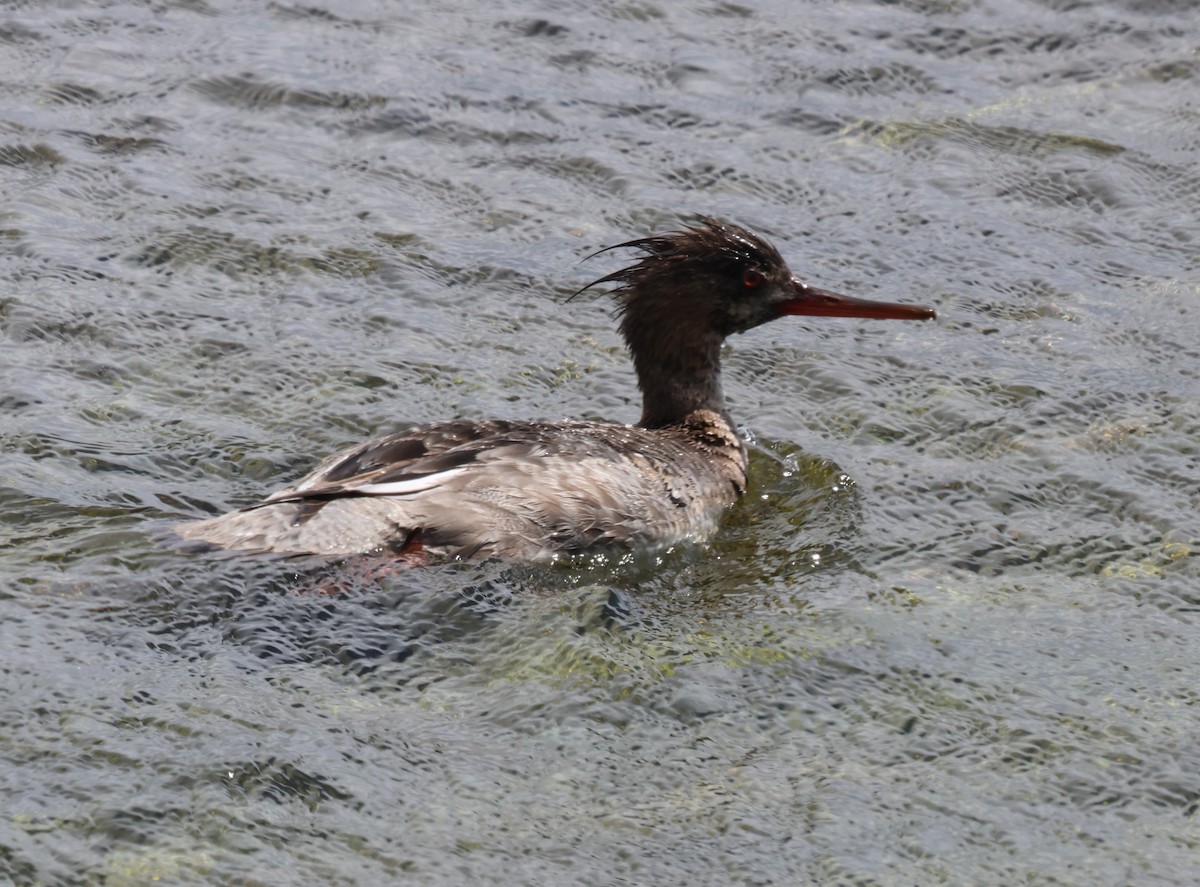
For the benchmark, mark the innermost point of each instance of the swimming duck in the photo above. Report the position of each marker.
(530, 490)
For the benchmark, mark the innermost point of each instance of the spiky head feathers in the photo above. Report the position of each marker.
(714, 277)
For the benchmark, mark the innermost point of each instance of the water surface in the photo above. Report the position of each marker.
(950, 636)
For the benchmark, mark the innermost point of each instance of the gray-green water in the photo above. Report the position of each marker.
(949, 638)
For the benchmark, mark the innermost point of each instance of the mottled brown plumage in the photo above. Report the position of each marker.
(529, 490)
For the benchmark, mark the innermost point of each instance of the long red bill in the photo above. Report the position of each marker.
(822, 303)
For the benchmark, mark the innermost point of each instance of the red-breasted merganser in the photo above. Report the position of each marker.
(530, 490)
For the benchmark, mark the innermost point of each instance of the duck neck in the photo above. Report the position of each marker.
(678, 376)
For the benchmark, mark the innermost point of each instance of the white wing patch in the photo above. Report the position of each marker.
(409, 487)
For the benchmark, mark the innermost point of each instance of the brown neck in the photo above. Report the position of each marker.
(677, 374)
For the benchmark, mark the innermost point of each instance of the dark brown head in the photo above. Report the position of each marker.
(720, 277)
(690, 290)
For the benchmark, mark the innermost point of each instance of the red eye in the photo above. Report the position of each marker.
(752, 278)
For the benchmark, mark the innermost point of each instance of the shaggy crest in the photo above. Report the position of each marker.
(710, 247)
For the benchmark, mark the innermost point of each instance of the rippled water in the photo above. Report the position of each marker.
(950, 637)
